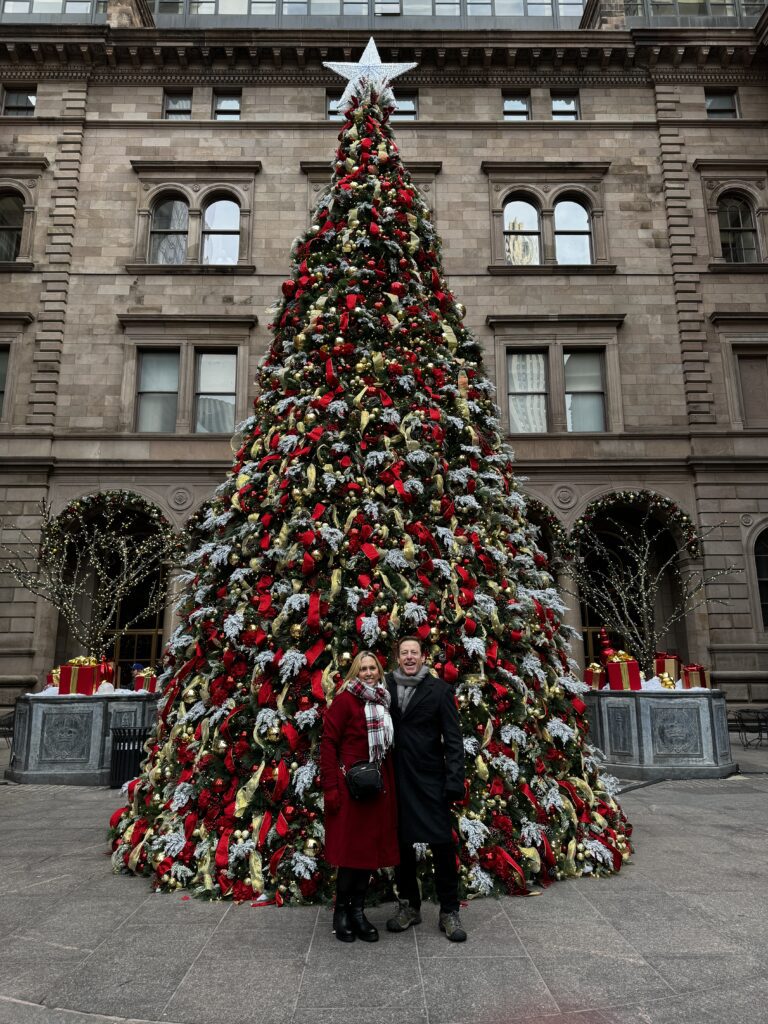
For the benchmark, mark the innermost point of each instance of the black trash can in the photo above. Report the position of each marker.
(127, 754)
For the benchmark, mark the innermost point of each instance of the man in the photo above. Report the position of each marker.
(429, 770)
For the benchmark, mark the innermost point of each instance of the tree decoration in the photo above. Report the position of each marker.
(659, 507)
(100, 550)
(370, 497)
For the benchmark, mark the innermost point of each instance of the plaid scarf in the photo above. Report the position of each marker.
(375, 700)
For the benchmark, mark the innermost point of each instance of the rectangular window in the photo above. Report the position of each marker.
(517, 106)
(753, 383)
(4, 353)
(215, 379)
(407, 106)
(565, 106)
(157, 396)
(18, 102)
(177, 106)
(226, 105)
(267, 7)
(527, 392)
(721, 104)
(584, 391)
(384, 7)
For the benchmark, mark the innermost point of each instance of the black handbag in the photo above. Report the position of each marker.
(364, 780)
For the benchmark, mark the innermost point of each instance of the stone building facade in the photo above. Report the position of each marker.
(651, 118)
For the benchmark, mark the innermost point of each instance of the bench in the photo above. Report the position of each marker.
(6, 727)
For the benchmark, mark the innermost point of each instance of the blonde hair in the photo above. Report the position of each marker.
(354, 668)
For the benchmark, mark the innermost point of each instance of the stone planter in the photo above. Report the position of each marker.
(68, 740)
(659, 734)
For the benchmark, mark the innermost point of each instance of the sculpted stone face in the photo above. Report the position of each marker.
(410, 657)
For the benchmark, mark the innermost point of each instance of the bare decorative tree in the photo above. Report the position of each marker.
(101, 550)
(620, 564)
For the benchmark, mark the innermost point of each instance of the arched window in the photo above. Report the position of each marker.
(11, 223)
(573, 232)
(738, 236)
(168, 233)
(522, 233)
(221, 232)
(761, 570)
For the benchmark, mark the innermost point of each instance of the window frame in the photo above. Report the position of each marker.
(544, 184)
(9, 88)
(523, 197)
(746, 177)
(201, 350)
(226, 93)
(188, 334)
(599, 351)
(537, 350)
(141, 351)
(556, 335)
(159, 199)
(214, 196)
(12, 327)
(740, 334)
(748, 200)
(520, 94)
(21, 175)
(734, 92)
(168, 93)
(196, 182)
(762, 615)
(578, 200)
(561, 94)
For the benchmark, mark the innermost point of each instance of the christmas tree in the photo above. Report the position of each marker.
(371, 496)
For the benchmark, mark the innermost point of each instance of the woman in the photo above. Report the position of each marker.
(360, 835)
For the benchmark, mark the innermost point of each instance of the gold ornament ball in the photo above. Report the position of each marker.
(273, 734)
(311, 847)
(294, 765)
(282, 888)
(247, 879)
(295, 630)
(346, 657)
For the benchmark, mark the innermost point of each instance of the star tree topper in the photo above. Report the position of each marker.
(368, 69)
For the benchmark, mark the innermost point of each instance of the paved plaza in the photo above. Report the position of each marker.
(678, 938)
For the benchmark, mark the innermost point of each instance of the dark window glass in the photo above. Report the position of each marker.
(226, 106)
(522, 233)
(215, 378)
(11, 221)
(527, 392)
(221, 232)
(517, 107)
(573, 234)
(738, 235)
(565, 107)
(168, 234)
(721, 105)
(4, 352)
(158, 391)
(761, 569)
(177, 106)
(19, 102)
(584, 391)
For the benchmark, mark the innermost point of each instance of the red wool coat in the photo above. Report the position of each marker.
(361, 833)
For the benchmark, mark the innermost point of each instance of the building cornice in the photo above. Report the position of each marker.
(551, 169)
(10, 316)
(738, 317)
(186, 319)
(218, 168)
(311, 167)
(502, 320)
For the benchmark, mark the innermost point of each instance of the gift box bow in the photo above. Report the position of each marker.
(621, 656)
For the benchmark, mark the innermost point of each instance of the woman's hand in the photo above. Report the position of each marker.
(332, 800)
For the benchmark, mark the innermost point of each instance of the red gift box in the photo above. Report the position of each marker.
(594, 676)
(623, 672)
(80, 675)
(663, 661)
(696, 675)
(145, 680)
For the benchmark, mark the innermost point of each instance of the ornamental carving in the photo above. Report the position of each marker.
(181, 498)
(66, 737)
(565, 497)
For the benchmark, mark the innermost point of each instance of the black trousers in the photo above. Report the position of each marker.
(446, 876)
(351, 882)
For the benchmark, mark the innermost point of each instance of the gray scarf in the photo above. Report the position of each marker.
(406, 685)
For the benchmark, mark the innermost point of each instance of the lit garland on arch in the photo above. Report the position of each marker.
(666, 509)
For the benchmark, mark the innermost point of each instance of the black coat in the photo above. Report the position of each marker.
(429, 760)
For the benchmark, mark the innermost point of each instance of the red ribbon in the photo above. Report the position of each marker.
(222, 849)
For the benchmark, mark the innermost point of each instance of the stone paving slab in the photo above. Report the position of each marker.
(678, 937)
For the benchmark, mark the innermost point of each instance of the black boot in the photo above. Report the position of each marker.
(362, 926)
(342, 912)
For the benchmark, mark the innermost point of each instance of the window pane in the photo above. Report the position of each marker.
(11, 219)
(20, 102)
(222, 215)
(565, 108)
(516, 108)
(528, 414)
(233, 6)
(3, 375)
(169, 250)
(574, 249)
(522, 250)
(520, 216)
(583, 371)
(170, 215)
(159, 371)
(570, 216)
(753, 374)
(509, 7)
(157, 414)
(405, 108)
(584, 413)
(216, 371)
(215, 414)
(221, 249)
(721, 104)
(178, 107)
(526, 371)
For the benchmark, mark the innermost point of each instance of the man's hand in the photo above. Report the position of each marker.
(332, 801)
